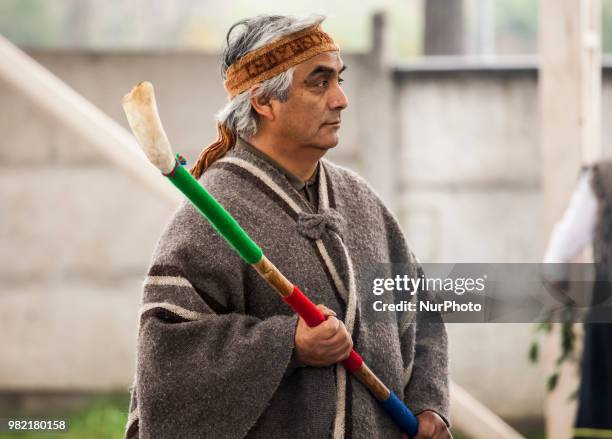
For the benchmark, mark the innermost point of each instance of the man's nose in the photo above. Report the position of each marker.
(338, 100)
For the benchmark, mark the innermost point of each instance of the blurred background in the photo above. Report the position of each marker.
(448, 121)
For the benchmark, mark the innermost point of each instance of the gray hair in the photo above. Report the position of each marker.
(258, 31)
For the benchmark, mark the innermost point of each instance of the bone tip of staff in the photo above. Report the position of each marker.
(144, 89)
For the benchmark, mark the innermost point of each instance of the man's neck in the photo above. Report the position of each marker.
(302, 162)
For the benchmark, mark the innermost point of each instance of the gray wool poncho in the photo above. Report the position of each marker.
(215, 356)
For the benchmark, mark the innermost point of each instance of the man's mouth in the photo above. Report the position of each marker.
(335, 123)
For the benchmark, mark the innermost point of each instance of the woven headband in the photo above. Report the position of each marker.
(275, 58)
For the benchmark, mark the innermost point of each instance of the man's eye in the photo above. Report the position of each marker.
(325, 83)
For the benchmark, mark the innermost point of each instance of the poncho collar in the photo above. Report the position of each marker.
(312, 223)
(295, 181)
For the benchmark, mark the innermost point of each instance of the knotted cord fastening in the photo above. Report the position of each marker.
(314, 225)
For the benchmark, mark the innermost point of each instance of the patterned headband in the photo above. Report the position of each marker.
(275, 58)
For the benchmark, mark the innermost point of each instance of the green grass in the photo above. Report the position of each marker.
(103, 418)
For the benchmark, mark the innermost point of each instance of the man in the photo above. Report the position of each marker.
(588, 221)
(219, 355)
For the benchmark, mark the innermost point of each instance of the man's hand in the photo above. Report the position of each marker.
(560, 290)
(431, 426)
(323, 345)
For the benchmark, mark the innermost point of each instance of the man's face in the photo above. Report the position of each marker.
(310, 117)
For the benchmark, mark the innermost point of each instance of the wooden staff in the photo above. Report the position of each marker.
(141, 111)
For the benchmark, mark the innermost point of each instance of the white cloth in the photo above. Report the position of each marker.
(574, 231)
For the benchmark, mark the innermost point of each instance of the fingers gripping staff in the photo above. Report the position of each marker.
(141, 111)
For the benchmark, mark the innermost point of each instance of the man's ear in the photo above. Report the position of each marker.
(263, 106)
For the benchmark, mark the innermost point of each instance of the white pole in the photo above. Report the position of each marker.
(570, 124)
(77, 113)
(486, 28)
(474, 420)
(591, 80)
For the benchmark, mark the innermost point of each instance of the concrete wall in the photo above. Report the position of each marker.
(470, 193)
(77, 235)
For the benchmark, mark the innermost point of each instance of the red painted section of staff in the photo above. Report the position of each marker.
(314, 317)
